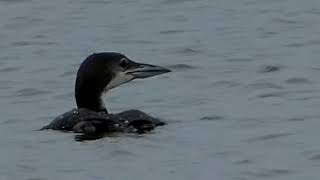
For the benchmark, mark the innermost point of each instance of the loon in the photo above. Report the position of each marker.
(97, 74)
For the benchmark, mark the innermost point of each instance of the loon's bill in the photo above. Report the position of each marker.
(97, 74)
(135, 70)
(146, 70)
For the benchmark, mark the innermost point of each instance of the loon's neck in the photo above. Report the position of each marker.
(90, 98)
(90, 84)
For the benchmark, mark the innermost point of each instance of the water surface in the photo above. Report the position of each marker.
(241, 103)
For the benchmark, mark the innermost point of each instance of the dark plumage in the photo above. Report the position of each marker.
(97, 74)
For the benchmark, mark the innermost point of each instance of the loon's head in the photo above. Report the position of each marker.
(101, 72)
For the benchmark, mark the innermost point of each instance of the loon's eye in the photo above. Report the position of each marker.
(124, 63)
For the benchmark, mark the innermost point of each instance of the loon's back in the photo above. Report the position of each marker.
(82, 120)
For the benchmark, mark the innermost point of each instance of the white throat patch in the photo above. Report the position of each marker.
(119, 79)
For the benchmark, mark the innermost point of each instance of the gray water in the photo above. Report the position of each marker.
(242, 101)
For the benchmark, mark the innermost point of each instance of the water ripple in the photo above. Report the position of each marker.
(239, 59)
(27, 92)
(68, 73)
(315, 157)
(298, 80)
(243, 95)
(14, 1)
(32, 43)
(264, 85)
(272, 94)
(187, 51)
(285, 21)
(270, 68)
(295, 45)
(269, 173)
(181, 67)
(94, 2)
(175, 1)
(212, 118)
(225, 83)
(11, 69)
(176, 31)
(243, 162)
(268, 137)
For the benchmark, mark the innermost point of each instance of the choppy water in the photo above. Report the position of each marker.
(242, 102)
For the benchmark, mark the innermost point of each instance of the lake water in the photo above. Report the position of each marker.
(242, 101)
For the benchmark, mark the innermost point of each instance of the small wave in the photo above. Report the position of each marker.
(176, 31)
(96, 2)
(65, 95)
(68, 73)
(32, 43)
(227, 84)
(264, 85)
(42, 70)
(14, 1)
(245, 161)
(269, 173)
(30, 92)
(239, 59)
(298, 80)
(268, 137)
(296, 119)
(284, 21)
(212, 118)
(270, 68)
(11, 69)
(295, 45)
(273, 94)
(188, 51)
(175, 1)
(181, 67)
(132, 41)
(315, 157)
